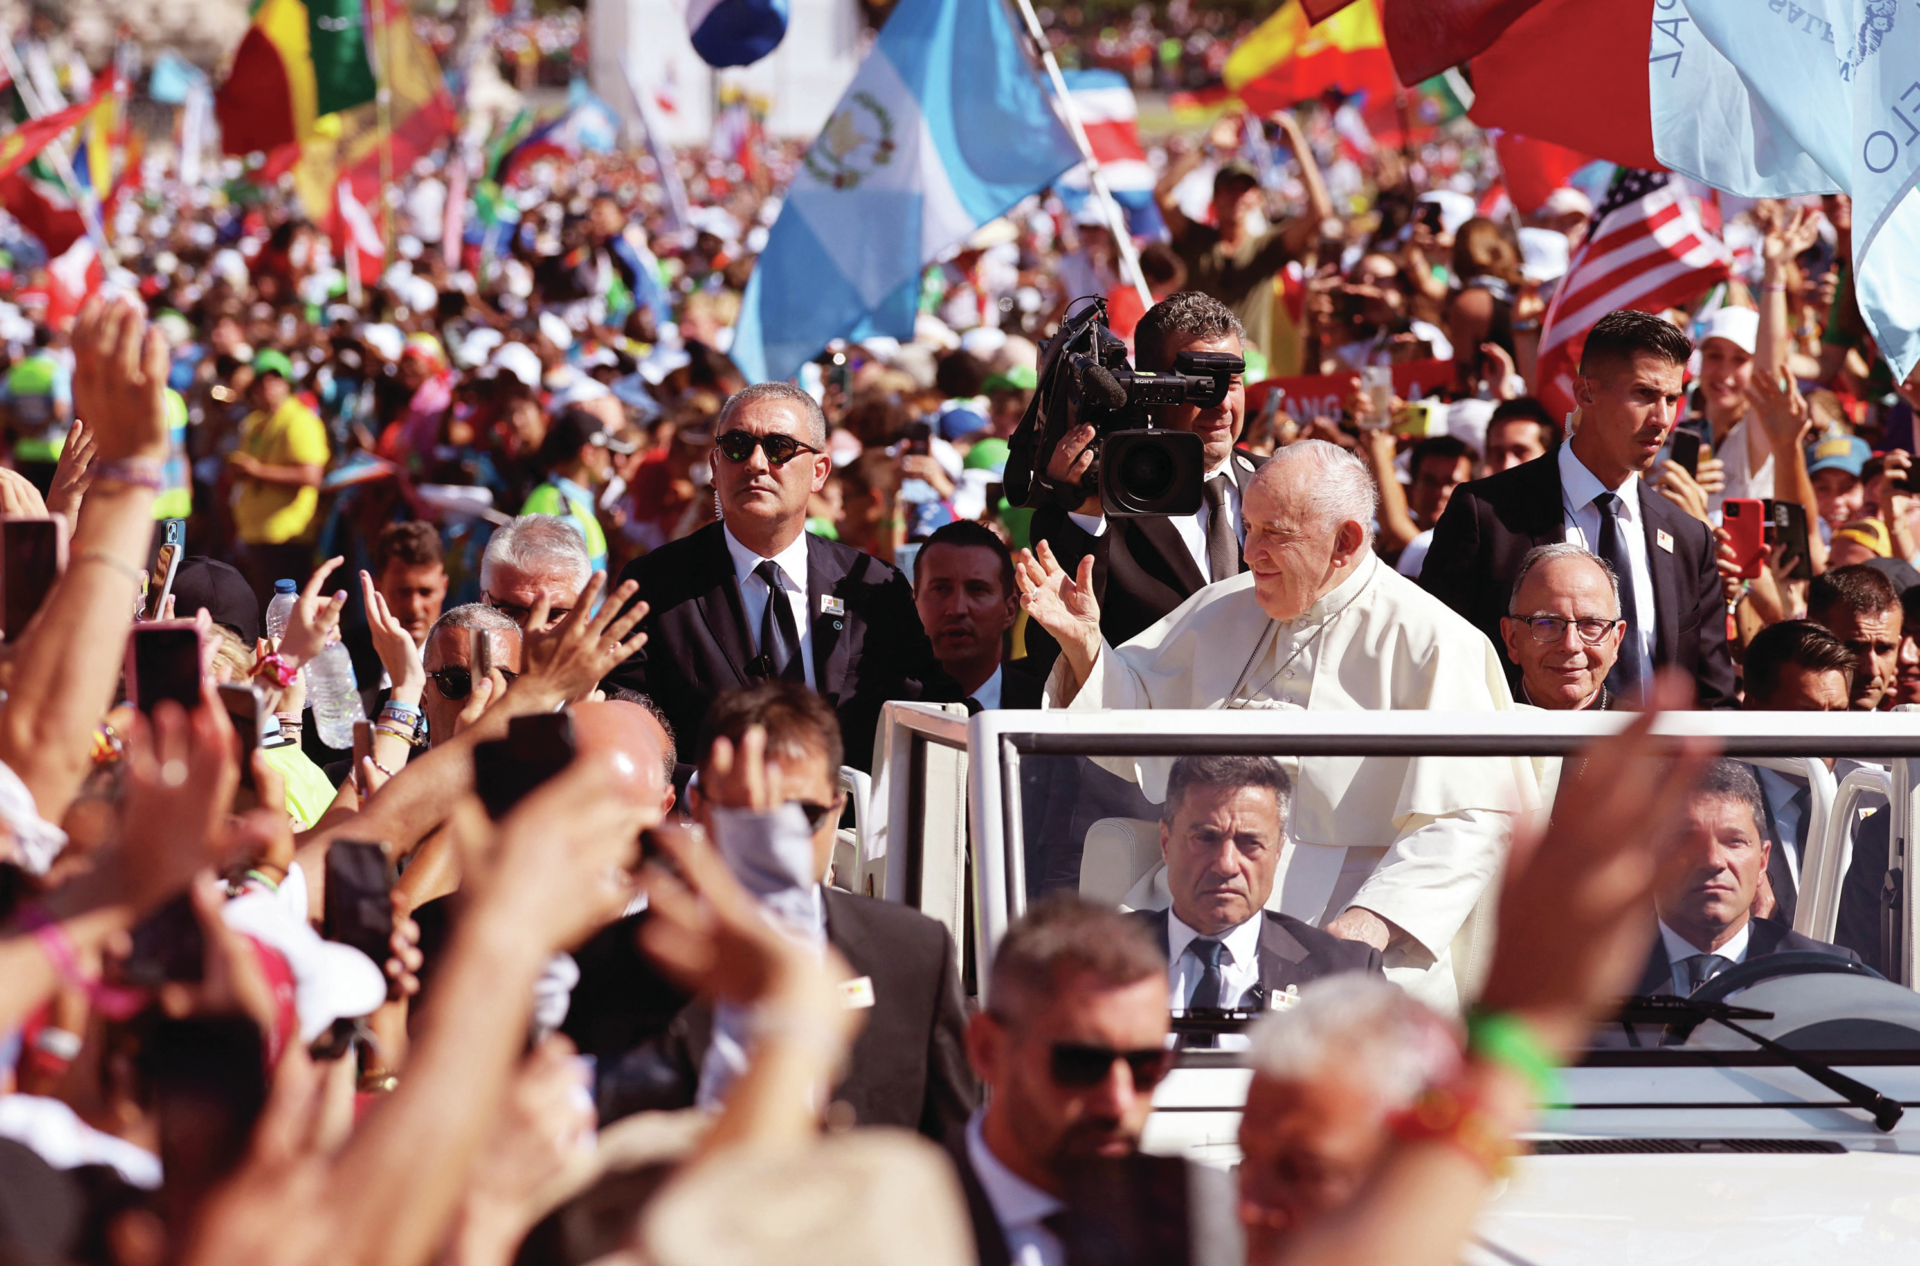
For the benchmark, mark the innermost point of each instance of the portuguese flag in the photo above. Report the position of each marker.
(300, 60)
(1291, 58)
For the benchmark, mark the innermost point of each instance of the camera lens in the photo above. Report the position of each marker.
(1146, 472)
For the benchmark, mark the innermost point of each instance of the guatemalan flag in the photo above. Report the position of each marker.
(945, 127)
(735, 32)
(1110, 115)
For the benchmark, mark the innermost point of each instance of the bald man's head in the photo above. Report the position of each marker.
(630, 746)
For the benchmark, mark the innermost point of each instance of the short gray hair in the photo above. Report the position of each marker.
(474, 615)
(1367, 1029)
(1344, 491)
(1556, 550)
(537, 542)
(784, 392)
(1732, 780)
(1227, 771)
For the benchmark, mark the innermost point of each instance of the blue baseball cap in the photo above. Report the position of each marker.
(1839, 452)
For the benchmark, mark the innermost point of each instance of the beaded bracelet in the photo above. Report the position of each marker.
(140, 473)
(1503, 1038)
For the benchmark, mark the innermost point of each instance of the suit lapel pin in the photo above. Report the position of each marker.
(857, 994)
(1664, 539)
(830, 605)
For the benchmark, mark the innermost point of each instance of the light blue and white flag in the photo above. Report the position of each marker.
(735, 32)
(945, 127)
(1770, 98)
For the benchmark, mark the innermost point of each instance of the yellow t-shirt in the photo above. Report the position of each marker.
(273, 514)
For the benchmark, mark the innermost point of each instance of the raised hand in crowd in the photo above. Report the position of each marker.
(73, 474)
(19, 499)
(1063, 605)
(568, 661)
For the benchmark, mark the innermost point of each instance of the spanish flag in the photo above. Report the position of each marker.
(1288, 59)
(299, 61)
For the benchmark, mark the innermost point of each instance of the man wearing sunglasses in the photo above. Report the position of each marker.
(1071, 1044)
(449, 658)
(756, 598)
(908, 1067)
(1564, 628)
(532, 557)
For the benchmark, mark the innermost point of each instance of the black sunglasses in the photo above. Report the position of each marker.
(818, 815)
(457, 683)
(738, 446)
(1082, 1067)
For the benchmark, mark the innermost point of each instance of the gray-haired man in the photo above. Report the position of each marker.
(1563, 628)
(533, 557)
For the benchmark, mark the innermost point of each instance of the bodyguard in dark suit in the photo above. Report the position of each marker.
(963, 588)
(839, 621)
(1221, 830)
(1705, 921)
(1589, 489)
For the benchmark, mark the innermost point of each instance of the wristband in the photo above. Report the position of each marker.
(260, 877)
(112, 1001)
(58, 1043)
(120, 565)
(283, 673)
(1454, 1116)
(404, 712)
(135, 471)
(1503, 1038)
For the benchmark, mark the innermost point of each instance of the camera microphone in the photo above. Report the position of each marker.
(1101, 389)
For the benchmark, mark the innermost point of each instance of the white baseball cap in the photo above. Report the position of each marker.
(331, 981)
(1739, 326)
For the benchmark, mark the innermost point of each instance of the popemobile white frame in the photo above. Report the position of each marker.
(1716, 1152)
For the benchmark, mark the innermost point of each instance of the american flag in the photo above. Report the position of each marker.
(1645, 251)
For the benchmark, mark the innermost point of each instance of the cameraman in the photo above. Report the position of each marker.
(1145, 567)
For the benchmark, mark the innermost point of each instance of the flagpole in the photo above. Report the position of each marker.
(1116, 220)
(57, 151)
(383, 121)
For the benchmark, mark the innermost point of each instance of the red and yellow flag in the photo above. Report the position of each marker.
(1289, 59)
(22, 145)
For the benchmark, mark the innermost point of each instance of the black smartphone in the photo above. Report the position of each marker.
(1686, 452)
(244, 705)
(1788, 521)
(33, 552)
(168, 945)
(358, 910)
(1430, 216)
(166, 561)
(166, 664)
(916, 439)
(535, 749)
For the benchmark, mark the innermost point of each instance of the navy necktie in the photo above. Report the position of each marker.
(779, 639)
(1212, 984)
(1629, 676)
(1699, 969)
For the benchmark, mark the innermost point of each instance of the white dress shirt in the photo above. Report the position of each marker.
(1191, 527)
(1239, 964)
(1578, 487)
(1018, 1205)
(1679, 948)
(988, 696)
(792, 562)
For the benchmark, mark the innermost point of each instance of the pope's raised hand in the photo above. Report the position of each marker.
(1063, 605)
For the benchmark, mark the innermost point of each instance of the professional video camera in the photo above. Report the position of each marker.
(1138, 469)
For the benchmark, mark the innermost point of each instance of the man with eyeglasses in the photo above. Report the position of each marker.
(449, 658)
(535, 557)
(756, 598)
(1563, 628)
(908, 1067)
(1072, 1042)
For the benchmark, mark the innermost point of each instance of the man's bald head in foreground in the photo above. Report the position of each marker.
(628, 743)
(1309, 516)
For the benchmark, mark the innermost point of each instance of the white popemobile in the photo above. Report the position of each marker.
(1770, 1126)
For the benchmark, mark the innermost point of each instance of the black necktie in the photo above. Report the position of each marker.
(1698, 970)
(779, 640)
(1629, 675)
(1207, 993)
(1223, 543)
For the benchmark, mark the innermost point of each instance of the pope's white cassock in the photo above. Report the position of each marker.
(1413, 839)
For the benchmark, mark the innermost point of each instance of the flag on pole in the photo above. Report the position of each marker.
(357, 238)
(1110, 116)
(1645, 251)
(1289, 58)
(297, 62)
(22, 145)
(944, 128)
(735, 32)
(42, 208)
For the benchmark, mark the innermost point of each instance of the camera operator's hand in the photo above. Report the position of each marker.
(1063, 605)
(1072, 456)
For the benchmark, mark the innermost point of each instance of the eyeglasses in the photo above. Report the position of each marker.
(1552, 628)
(457, 683)
(1080, 1067)
(738, 446)
(818, 815)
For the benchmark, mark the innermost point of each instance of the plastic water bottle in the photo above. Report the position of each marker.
(334, 696)
(280, 610)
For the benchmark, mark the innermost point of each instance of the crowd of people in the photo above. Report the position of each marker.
(554, 958)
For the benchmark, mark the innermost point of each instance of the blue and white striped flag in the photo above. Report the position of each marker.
(735, 32)
(945, 127)
(1816, 96)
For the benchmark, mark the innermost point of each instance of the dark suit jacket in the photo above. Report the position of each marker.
(1020, 688)
(871, 651)
(1490, 525)
(1767, 937)
(621, 1001)
(989, 1241)
(909, 1065)
(1291, 952)
(1141, 568)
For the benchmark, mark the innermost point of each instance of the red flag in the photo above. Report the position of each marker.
(22, 145)
(1534, 169)
(1428, 36)
(1646, 252)
(1573, 72)
(48, 215)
